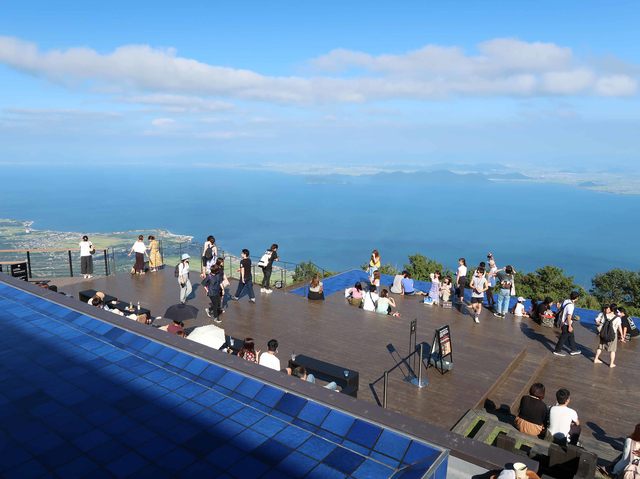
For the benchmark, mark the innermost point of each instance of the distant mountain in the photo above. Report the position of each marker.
(479, 167)
(331, 179)
(508, 176)
(441, 176)
(588, 184)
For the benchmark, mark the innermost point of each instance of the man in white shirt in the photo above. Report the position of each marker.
(565, 318)
(269, 359)
(564, 425)
(370, 299)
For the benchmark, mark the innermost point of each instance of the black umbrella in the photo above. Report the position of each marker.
(181, 312)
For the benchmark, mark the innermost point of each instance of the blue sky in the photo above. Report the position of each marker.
(324, 82)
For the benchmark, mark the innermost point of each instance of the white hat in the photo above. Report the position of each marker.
(520, 299)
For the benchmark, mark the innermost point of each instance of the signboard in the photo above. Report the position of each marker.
(19, 270)
(443, 350)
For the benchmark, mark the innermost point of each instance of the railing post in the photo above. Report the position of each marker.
(419, 381)
(106, 264)
(70, 264)
(384, 391)
(284, 283)
(29, 265)
(180, 251)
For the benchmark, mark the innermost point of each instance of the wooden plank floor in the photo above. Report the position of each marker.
(333, 331)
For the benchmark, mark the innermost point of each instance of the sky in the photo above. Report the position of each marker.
(360, 83)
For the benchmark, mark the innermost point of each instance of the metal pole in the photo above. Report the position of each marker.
(180, 251)
(419, 381)
(106, 264)
(29, 264)
(70, 264)
(384, 392)
(285, 278)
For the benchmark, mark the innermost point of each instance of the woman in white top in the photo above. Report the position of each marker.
(86, 260)
(461, 279)
(385, 303)
(140, 250)
(376, 279)
(609, 313)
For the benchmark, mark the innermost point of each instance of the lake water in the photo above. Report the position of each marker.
(525, 224)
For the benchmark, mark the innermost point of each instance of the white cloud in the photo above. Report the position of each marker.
(62, 112)
(504, 67)
(164, 123)
(259, 119)
(330, 118)
(226, 135)
(214, 120)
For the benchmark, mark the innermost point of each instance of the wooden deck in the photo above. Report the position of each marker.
(488, 357)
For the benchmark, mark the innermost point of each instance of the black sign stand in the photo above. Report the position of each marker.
(442, 345)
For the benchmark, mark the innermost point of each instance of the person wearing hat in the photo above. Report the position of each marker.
(518, 309)
(99, 295)
(183, 278)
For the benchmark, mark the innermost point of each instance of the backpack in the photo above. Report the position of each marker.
(632, 471)
(558, 321)
(208, 253)
(264, 260)
(176, 273)
(607, 333)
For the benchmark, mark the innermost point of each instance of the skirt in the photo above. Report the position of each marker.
(155, 258)
(611, 346)
(139, 266)
(434, 292)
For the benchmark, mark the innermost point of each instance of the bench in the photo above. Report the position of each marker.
(329, 372)
(87, 294)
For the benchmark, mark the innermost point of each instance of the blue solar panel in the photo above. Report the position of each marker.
(83, 398)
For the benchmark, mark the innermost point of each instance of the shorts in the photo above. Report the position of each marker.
(477, 300)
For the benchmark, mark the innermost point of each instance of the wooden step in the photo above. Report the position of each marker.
(507, 395)
(503, 377)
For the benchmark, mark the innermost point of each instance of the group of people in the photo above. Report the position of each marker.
(560, 424)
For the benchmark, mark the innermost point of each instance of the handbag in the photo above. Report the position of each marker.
(92, 249)
(513, 290)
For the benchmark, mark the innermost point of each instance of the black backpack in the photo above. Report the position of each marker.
(607, 333)
(176, 273)
(208, 253)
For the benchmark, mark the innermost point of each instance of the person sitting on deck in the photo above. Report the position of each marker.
(630, 453)
(370, 299)
(564, 425)
(407, 284)
(99, 295)
(174, 328)
(518, 309)
(301, 372)
(445, 289)
(270, 360)
(533, 414)
(385, 303)
(396, 287)
(376, 279)
(315, 288)
(355, 295)
(248, 351)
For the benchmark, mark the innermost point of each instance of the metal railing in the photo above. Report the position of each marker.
(415, 379)
(52, 262)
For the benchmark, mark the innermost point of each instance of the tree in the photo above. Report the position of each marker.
(617, 286)
(420, 267)
(305, 271)
(546, 281)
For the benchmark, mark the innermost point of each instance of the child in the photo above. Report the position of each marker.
(518, 309)
(434, 292)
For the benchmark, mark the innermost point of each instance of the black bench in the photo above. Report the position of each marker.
(329, 372)
(86, 295)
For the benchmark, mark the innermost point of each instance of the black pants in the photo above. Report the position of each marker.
(86, 264)
(564, 336)
(216, 305)
(573, 437)
(266, 279)
(461, 286)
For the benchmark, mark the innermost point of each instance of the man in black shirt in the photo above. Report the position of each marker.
(245, 278)
(629, 328)
(541, 308)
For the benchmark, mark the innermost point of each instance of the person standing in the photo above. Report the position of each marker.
(609, 313)
(183, 278)
(268, 268)
(141, 251)
(491, 281)
(212, 285)
(461, 279)
(629, 328)
(155, 258)
(86, 258)
(245, 278)
(434, 292)
(506, 280)
(209, 255)
(478, 287)
(565, 314)
(374, 263)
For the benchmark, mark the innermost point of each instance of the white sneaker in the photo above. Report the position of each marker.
(475, 318)
(268, 291)
(262, 290)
